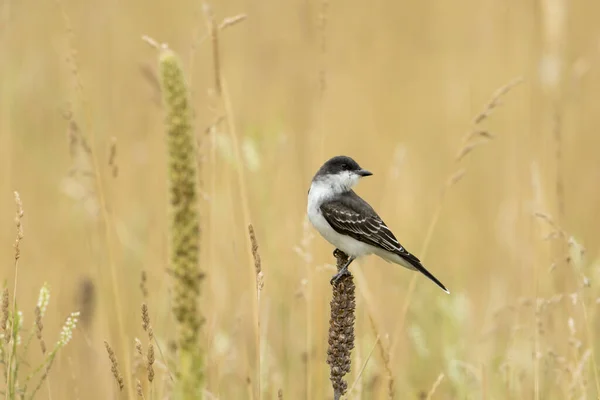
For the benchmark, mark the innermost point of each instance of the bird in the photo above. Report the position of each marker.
(349, 223)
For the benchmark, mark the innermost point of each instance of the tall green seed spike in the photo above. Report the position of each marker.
(184, 224)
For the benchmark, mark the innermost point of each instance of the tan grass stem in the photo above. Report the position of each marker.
(362, 369)
(10, 371)
(223, 93)
(260, 283)
(244, 201)
(436, 384)
(102, 201)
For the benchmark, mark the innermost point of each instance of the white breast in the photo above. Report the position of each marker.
(320, 192)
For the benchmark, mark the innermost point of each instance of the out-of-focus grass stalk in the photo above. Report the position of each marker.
(184, 229)
(11, 372)
(553, 26)
(124, 343)
(314, 294)
(472, 140)
(222, 91)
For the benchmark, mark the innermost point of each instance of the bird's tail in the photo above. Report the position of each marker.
(419, 267)
(408, 260)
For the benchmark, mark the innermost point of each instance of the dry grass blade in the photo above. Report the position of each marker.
(437, 383)
(214, 36)
(362, 369)
(231, 21)
(495, 100)
(467, 148)
(112, 157)
(385, 356)
(154, 44)
(455, 178)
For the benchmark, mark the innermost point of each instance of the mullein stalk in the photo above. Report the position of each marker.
(341, 328)
(184, 226)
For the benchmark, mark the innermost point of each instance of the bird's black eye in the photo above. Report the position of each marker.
(344, 166)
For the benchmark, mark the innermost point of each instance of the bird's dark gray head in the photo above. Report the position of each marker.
(341, 173)
(340, 164)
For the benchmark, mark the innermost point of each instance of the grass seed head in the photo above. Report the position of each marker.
(114, 366)
(184, 230)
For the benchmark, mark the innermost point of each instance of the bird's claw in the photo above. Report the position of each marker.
(341, 273)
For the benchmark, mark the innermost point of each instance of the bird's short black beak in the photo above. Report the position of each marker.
(364, 172)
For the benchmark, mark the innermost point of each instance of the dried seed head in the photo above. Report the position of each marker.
(144, 284)
(66, 334)
(39, 327)
(184, 229)
(139, 390)
(18, 322)
(114, 366)
(138, 347)
(150, 362)
(43, 299)
(260, 282)
(18, 218)
(112, 157)
(341, 329)
(5, 315)
(146, 322)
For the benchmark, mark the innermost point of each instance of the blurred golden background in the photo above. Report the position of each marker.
(397, 86)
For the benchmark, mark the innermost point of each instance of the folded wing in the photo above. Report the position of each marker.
(350, 215)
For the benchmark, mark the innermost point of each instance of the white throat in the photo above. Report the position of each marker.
(322, 190)
(325, 187)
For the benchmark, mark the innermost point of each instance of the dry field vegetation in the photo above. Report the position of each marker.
(478, 118)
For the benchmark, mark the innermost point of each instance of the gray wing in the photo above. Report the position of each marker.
(352, 216)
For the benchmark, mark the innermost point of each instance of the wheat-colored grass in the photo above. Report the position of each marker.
(394, 85)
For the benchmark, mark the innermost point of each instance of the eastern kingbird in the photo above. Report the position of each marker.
(350, 223)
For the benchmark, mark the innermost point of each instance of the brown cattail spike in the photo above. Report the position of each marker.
(341, 328)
